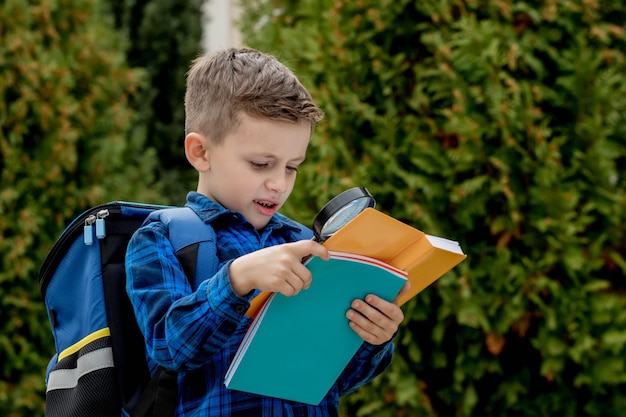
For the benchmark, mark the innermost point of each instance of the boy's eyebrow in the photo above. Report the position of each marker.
(298, 159)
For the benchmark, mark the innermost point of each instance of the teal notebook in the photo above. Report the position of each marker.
(297, 347)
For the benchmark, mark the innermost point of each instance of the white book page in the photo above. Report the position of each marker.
(443, 243)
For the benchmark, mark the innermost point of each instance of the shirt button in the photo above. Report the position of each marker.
(240, 308)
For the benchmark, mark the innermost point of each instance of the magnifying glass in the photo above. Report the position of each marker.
(332, 217)
(340, 210)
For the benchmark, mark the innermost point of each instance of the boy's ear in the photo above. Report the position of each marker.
(197, 151)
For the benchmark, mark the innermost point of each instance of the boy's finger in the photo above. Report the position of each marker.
(319, 250)
(305, 248)
(303, 274)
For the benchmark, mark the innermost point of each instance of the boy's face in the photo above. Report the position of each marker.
(254, 169)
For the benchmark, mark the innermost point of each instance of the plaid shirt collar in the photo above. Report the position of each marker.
(209, 211)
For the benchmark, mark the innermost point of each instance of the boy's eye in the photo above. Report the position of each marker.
(258, 165)
(293, 169)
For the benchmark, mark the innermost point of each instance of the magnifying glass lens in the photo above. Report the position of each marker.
(340, 210)
(342, 217)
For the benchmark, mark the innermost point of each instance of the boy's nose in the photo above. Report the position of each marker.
(276, 183)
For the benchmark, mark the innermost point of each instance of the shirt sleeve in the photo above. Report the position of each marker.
(182, 328)
(369, 362)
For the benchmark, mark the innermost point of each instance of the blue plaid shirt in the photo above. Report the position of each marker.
(196, 331)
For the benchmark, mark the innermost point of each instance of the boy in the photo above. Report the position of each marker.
(248, 125)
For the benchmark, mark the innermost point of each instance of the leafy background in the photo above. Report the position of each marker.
(500, 124)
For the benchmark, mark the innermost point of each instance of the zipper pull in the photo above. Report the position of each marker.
(88, 230)
(100, 228)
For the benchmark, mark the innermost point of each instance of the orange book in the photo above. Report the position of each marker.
(424, 257)
(374, 234)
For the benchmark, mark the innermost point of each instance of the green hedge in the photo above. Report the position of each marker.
(163, 37)
(499, 124)
(502, 125)
(64, 91)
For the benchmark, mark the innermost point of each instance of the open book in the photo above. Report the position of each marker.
(376, 235)
(424, 257)
(297, 347)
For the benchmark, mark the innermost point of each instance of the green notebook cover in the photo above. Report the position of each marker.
(297, 347)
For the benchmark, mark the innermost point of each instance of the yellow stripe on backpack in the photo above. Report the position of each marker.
(85, 341)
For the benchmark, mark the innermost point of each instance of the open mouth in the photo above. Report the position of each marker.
(265, 204)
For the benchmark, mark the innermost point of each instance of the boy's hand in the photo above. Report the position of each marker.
(276, 269)
(375, 319)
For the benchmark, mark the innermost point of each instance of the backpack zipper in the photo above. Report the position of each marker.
(77, 227)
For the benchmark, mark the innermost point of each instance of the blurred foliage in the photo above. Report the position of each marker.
(501, 124)
(65, 144)
(163, 38)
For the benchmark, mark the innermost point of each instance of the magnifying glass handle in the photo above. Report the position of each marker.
(306, 258)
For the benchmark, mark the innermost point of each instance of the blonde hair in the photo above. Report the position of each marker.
(222, 85)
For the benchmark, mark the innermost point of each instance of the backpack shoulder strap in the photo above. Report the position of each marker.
(193, 240)
(195, 246)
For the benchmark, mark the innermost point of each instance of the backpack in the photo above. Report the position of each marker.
(99, 369)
